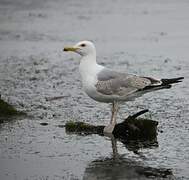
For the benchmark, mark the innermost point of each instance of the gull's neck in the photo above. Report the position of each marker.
(89, 66)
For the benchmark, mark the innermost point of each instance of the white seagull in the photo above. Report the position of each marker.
(106, 85)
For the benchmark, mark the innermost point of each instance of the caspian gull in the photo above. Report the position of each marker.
(106, 85)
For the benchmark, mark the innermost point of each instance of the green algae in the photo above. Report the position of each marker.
(7, 111)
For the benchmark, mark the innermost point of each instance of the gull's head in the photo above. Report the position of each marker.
(83, 48)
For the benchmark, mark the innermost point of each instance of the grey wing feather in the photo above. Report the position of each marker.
(122, 84)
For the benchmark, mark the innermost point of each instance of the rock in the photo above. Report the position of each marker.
(131, 128)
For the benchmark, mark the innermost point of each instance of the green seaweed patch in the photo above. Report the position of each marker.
(7, 110)
(83, 128)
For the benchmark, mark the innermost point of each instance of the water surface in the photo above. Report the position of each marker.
(142, 37)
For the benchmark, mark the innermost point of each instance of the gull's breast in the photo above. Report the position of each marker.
(89, 74)
(89, 85)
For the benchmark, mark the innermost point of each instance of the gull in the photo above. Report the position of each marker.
(106, 85)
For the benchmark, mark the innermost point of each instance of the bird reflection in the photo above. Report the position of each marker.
(122, 168)
(118, 167)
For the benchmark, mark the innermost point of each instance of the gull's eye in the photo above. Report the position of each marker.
(83, 45)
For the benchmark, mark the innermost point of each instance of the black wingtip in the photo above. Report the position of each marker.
(171, 81)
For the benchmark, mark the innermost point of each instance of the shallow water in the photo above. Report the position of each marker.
(142, 37)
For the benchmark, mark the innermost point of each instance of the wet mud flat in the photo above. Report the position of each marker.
(143, 37)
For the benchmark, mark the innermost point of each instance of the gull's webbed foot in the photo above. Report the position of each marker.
(109, 129)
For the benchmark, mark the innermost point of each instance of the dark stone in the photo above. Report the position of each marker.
(131, 128)
(44, 123)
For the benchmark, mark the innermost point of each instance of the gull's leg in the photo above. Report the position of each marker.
(109, 129)
(114, 148)
(115, 108)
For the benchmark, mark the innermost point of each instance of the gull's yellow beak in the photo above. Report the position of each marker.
(73, 49)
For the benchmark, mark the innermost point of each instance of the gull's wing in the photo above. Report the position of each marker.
(114, 83)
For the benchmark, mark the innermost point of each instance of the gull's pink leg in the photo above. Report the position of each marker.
(109, 129)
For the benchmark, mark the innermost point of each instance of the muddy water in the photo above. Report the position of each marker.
(143, 37)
